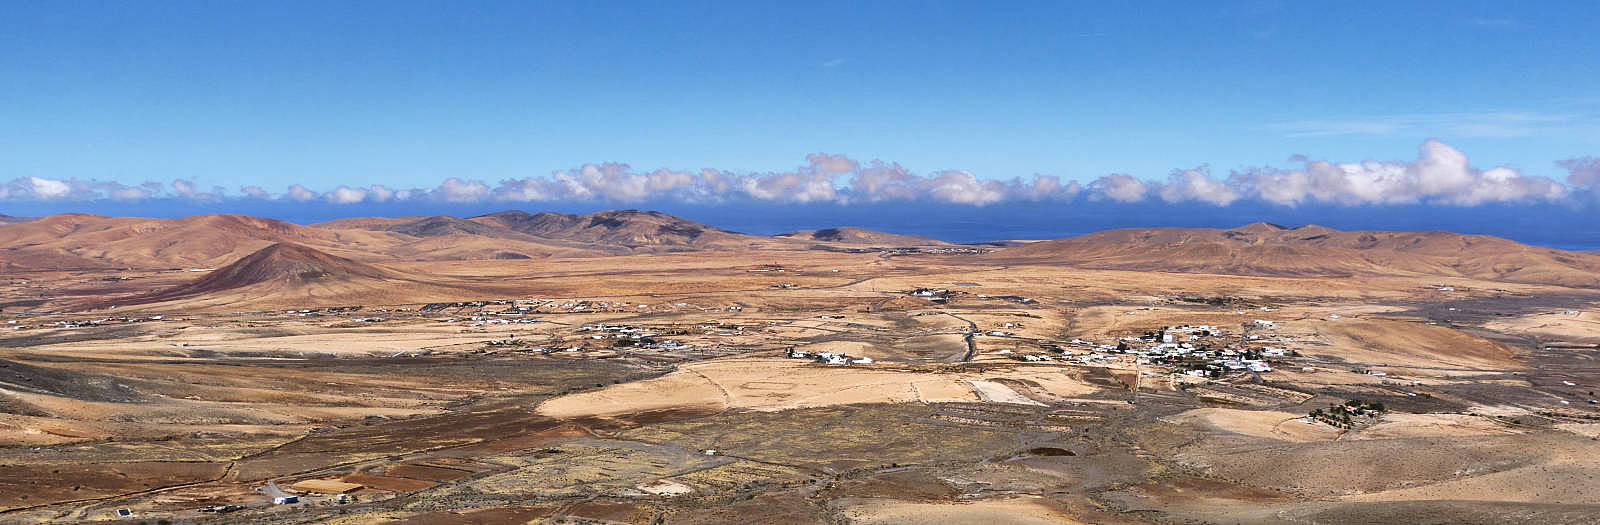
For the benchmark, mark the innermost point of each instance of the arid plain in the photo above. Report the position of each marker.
(634, 367)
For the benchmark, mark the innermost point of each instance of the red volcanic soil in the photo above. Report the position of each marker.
(284, 263)
(396, 484)
(424, 472)
(77, 240)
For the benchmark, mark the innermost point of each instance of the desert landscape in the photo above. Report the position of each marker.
(636, 367)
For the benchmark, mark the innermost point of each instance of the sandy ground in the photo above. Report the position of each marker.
(1562, 473)
(1413, 345)
(1259, 423)
(1403, 425)
(1576, 325)
(996, 511)
(992, 392)
(778, 384)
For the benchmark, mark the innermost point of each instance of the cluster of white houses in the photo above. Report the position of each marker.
(78, 323)
(1180, 347)
(829, 358)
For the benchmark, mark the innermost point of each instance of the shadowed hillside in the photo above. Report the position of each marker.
(626, 228)
(854, 235)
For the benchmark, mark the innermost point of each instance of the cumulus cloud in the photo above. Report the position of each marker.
(1197, 185)
(345, 195)
(1439, 175)
(380, 193)
(962, 187)
(44, 189)
(300, 193)
(255, 192)
(1582, 173)
(1118, 187)
(831, 164)
(348, 195)
(457, 190)
(791, 187)
(186, 190)
(47, 189)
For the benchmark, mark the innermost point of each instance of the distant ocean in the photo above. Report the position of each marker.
(1556, 226)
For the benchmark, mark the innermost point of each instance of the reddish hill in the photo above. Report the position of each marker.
(79, 240)
(283, 265)
(1269, 249)
(84, 241)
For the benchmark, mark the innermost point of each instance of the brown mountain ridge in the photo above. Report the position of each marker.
(84, 241)
(1269, 249)
(862, 236)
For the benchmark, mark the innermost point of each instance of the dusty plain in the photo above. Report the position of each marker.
(685, 387)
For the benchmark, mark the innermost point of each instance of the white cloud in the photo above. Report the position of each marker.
(1118, 187)
(1197, 185)
(457, 190)
(346, 195)
(962, 187)
(1582, 173)
(300, 193)
(186, 190)
(791, 187)
(47, 189)
(1440, 175)
(379, 193)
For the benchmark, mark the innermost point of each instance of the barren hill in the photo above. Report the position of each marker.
(283, 265)
(625, 228)
(854, 235)
(7, 219)
(289, 275)
(434, 226)
(85, 241)
(518, 233)
(443, 237)
(1269, 249)
(77, 240)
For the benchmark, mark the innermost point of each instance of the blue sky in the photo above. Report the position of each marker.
(967, 101)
